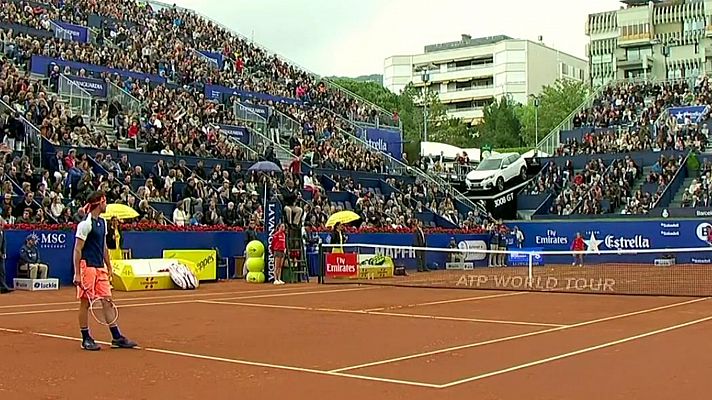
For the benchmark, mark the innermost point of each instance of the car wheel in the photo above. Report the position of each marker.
(500, 184)
(523, 174)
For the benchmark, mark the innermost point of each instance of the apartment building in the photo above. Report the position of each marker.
(470, 73)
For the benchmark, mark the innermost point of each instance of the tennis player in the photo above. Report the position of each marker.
(92, 269)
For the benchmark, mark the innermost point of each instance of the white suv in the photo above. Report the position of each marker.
(495, 171)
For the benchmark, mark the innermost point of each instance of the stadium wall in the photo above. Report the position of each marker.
(56, 246)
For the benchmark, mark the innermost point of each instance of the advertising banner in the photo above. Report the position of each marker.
(384, 140)
(78, 33)
(95, 87)
(236, 132)
(220, 93)
(206, 263)
(695, 113)
(273, 217)
(341, 265)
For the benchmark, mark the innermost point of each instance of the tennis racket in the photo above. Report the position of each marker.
(96, 307)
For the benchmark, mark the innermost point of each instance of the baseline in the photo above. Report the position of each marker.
(520, 336)
(386, 314)
(239, 361)
(576, 352)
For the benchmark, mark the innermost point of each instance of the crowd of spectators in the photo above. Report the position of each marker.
(576, 186)
(699, 193)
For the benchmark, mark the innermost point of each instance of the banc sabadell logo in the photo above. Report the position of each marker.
(703, 231)
(51, 240)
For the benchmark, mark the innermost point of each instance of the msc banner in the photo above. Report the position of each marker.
(384, 140)
(236, 132)
(78, 33)
(695, 113)
(95, 87)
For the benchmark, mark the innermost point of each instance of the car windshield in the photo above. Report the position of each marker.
(489, 165)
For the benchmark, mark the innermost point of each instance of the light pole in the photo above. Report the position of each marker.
(537, 101)
(425, 76)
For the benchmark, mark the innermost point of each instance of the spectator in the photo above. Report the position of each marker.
(30, 259)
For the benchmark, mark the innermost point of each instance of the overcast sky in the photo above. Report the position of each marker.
(353, 37)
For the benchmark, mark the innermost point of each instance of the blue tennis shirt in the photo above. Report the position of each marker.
(93, 232)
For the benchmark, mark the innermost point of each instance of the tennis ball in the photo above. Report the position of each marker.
(255, 249)
(255, 277)
(255, 264)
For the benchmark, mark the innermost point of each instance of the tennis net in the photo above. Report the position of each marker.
(660, 272)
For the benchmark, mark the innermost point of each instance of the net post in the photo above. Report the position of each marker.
(530, 259)
(320, 249)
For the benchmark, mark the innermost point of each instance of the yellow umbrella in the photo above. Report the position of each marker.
(120, 211)
(343, 217)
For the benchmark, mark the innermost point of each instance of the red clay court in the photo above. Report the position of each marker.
(234, 340)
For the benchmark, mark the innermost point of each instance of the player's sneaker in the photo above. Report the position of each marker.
(90, 345)
(123, 343)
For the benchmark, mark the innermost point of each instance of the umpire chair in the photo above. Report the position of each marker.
(296, 255)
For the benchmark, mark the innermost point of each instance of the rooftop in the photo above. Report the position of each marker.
(466, 41)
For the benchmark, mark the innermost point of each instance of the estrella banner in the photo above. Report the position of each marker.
(694, 112)
(206, 264)
(384, 140)
(78, 33)
(215, 57)
(236, 132)
(95, 87)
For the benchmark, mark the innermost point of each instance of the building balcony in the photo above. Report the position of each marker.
(634, 40)
(457, 74)
(472, 114)
(634, 63)
(467, 93)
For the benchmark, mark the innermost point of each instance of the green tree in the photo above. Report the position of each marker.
(409, 105)
(500, 126)
(556, 102)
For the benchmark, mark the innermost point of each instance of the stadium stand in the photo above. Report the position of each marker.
(631, 118)
(177, 121)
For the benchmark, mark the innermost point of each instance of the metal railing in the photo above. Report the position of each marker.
(129, 104)
(75, 95)
(383, 117)
(551, 142)
(395, 166)
(33, 137)
(259, 135)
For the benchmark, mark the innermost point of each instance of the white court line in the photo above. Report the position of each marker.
(310, 292)
(433, 303)
(514, 337)
(182, 301)
(253, 363)
(575, 353)
(386, 314)
(8, 330)
(178, 296)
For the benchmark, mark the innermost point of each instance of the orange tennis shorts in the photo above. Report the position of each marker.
(95, 281)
